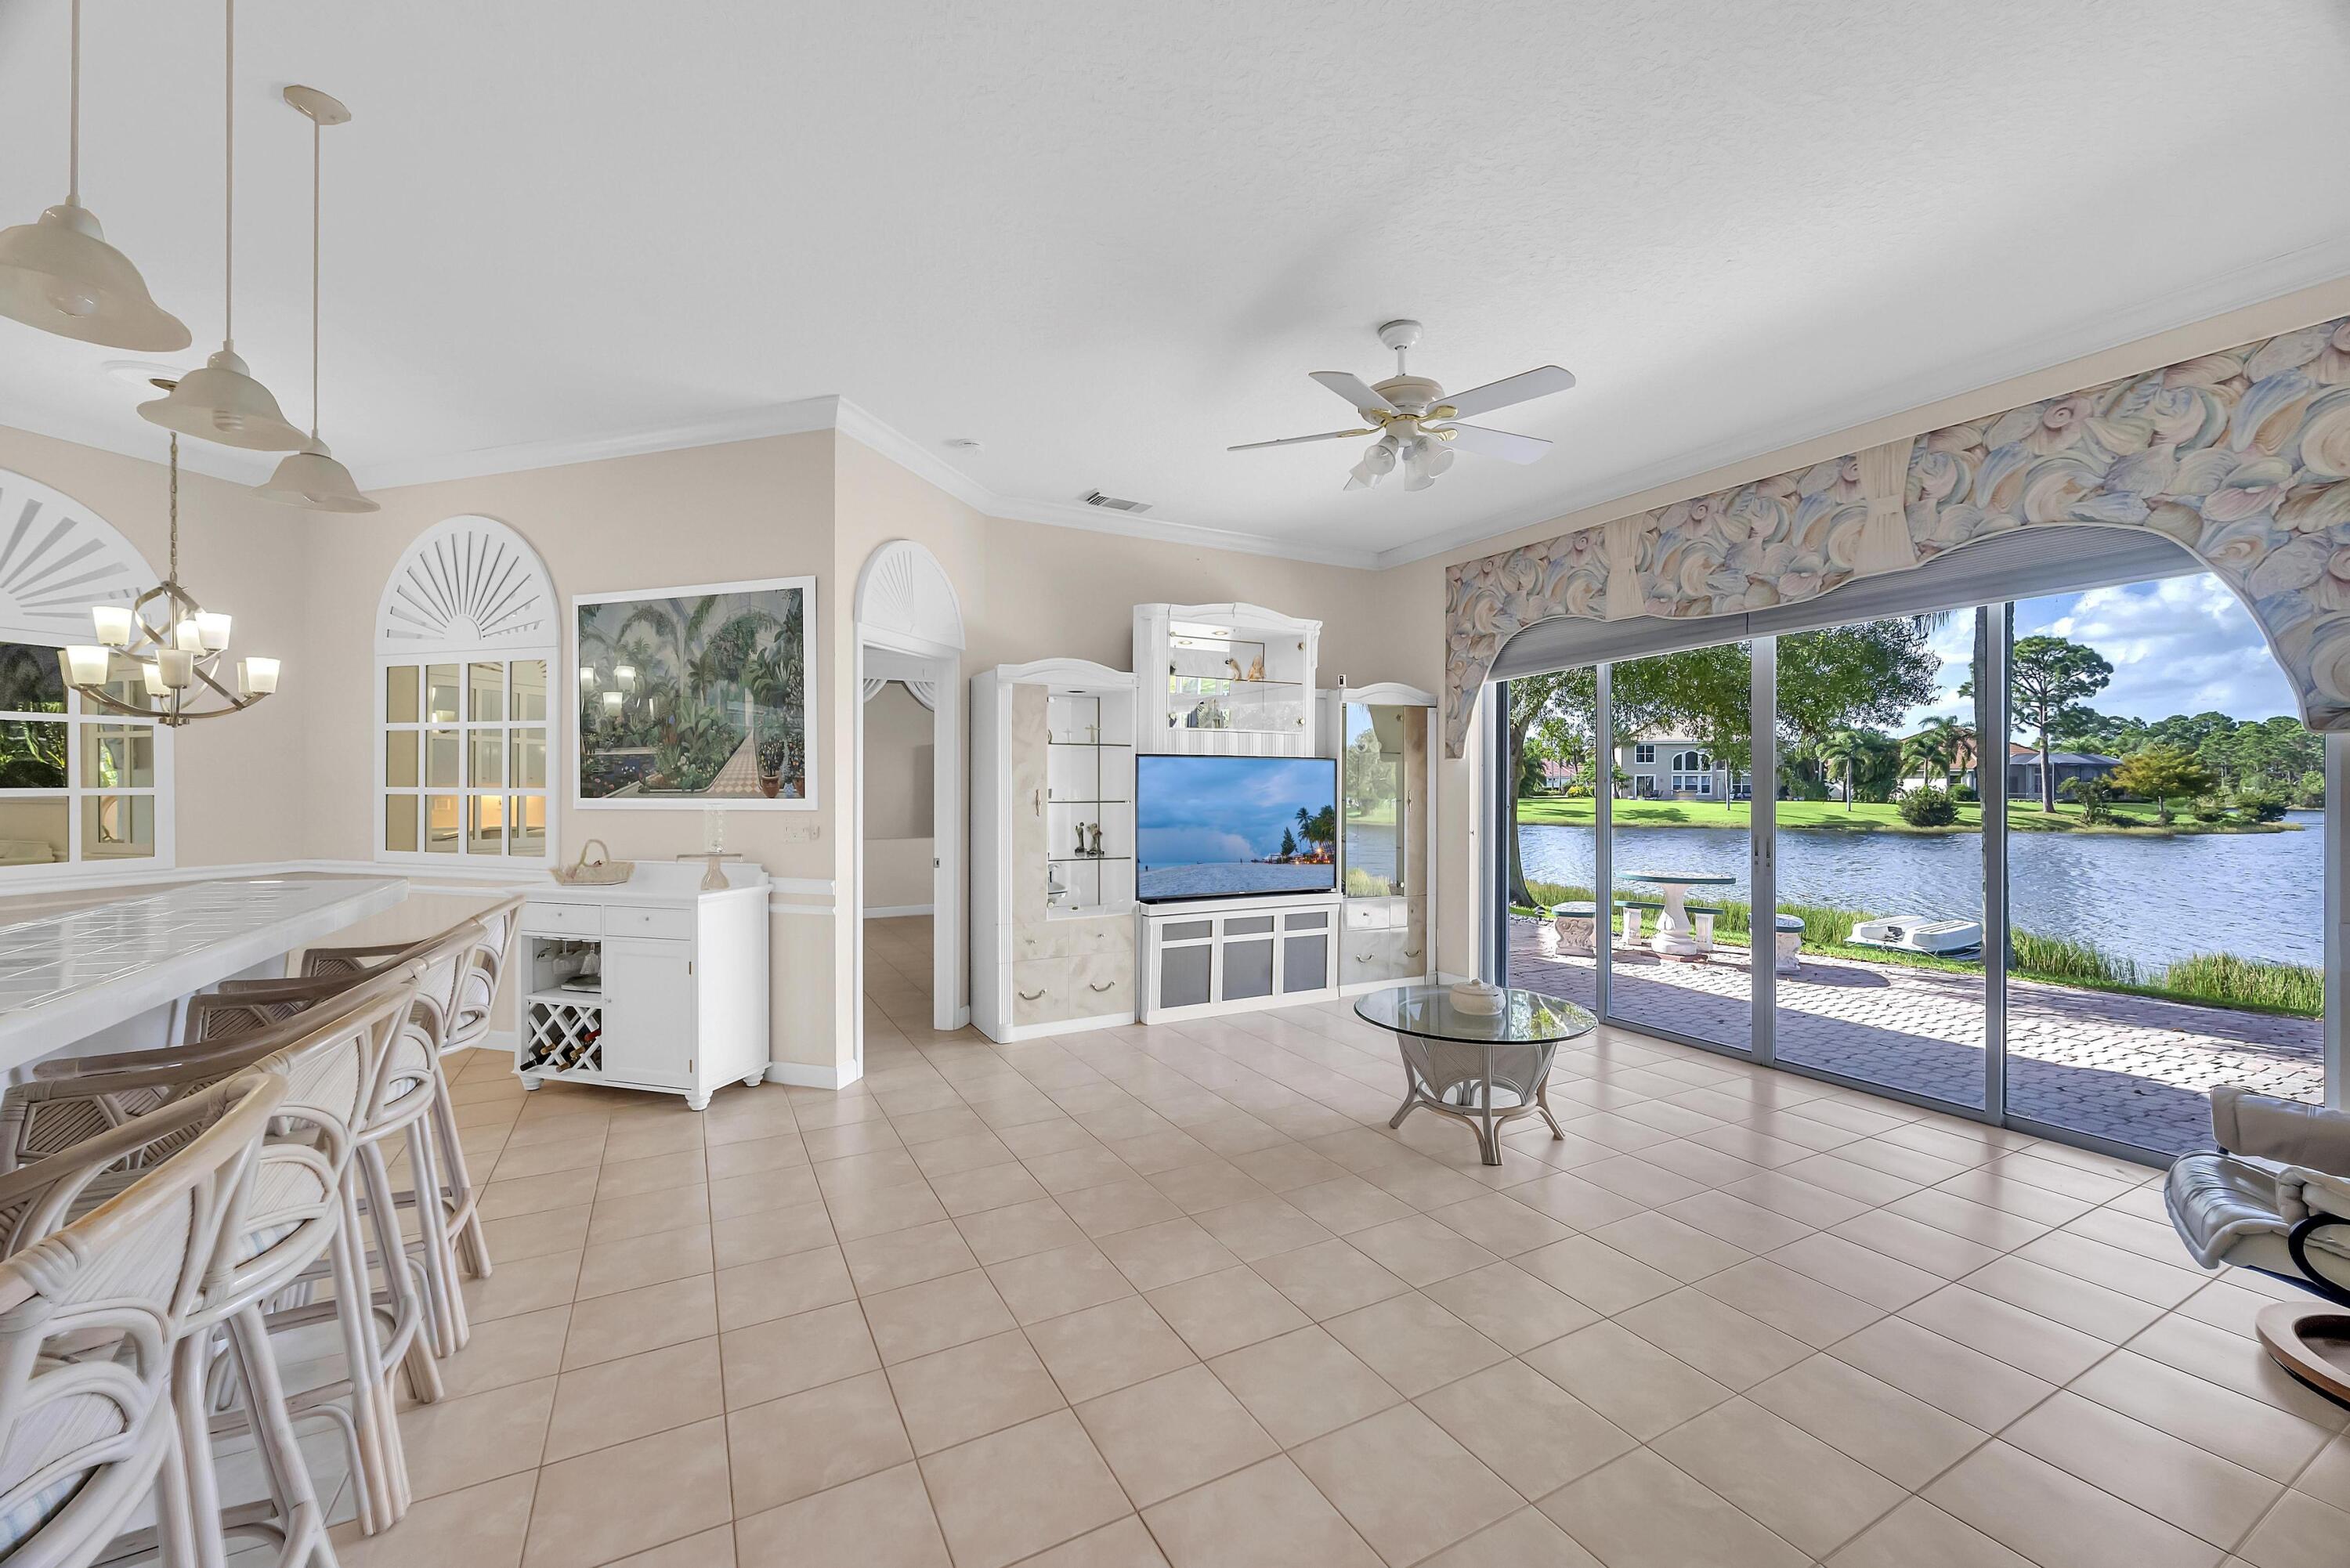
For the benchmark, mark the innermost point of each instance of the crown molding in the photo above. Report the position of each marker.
(1686, 472)
(2219, 294)
(797, 418)
(147, 444)
(919, 460)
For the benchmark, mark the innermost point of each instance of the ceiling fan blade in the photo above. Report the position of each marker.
(1358, 393)
(1516, 388)
(1503, 444)
(1298, 441)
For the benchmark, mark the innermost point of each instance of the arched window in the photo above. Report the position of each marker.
(466, 642)
(1693, 773)
(80, 789)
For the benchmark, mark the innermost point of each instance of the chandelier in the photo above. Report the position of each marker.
(176, 643)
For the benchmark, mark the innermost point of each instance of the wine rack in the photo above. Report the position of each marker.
(564, 1037)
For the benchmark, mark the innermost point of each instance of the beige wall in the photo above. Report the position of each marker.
(750, 509)
(900, 795)
(242, 786)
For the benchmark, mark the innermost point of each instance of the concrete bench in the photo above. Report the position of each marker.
(1788, 958)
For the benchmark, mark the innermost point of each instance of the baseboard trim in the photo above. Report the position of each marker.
(898, 911)
(808, 1075)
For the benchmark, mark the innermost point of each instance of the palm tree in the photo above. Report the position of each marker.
(1843, 750)
(1937, 747)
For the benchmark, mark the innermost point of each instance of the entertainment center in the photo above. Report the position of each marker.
(1207, 835)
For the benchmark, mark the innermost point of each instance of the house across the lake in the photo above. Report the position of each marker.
(2023, 770)
(1669, 767)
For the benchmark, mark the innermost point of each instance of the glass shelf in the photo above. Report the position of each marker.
(1085, 859)
(1090, 745)
(1227, 681)
(1059, 800)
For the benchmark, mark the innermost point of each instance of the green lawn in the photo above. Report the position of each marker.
(1863, 816)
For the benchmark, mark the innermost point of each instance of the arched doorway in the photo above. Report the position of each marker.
(909, 631)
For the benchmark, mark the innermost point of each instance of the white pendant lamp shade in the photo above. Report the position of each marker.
(223, 402)
(59, 275)
(312, 478)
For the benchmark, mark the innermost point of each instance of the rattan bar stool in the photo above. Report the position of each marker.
(303, 1227)
(107, 1248)
(466, 1012)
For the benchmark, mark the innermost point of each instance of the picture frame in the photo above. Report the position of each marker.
(697, 698)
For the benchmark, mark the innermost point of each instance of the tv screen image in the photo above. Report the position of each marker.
(1222, 828)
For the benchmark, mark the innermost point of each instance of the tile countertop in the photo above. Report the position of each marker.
(64, 976)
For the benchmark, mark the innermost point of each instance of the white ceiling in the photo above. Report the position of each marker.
(1107, 241)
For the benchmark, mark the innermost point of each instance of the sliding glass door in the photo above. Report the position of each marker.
(2058, 864)
(1880, 858)
(1679, 850)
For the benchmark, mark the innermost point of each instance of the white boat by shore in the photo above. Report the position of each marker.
(1917, 934)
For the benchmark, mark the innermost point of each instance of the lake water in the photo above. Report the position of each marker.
(1208, 881)
(2258, 895)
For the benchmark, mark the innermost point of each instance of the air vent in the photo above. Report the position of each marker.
(1097, 498)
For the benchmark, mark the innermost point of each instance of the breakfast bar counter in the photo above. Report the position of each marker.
(69, 976)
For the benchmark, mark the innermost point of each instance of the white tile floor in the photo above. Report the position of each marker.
(1176, 1296)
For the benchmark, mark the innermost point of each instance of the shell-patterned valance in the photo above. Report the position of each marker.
(2243, 457)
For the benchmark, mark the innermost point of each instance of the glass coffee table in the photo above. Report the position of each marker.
(1484, 1069)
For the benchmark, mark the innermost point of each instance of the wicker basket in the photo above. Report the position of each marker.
(601, 872)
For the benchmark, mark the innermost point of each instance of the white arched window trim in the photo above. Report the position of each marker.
(57, 558)
(455, 765)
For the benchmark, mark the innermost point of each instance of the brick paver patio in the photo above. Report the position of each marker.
(2124, 1067)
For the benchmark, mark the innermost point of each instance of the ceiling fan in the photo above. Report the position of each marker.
(1417, 425)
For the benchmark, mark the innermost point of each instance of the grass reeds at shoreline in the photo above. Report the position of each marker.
(2219, 979)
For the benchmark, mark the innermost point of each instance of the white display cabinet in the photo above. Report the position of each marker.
(654, 983)
(1387, 788)
(1230, 679)
(1052, 855)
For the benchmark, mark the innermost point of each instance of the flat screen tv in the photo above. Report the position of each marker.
(1226, 827)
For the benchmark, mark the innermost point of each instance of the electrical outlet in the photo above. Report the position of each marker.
(802, 832)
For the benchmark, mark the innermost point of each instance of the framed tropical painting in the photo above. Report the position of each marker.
(697, 696)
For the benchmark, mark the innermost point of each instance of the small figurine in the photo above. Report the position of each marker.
(1256, 669)
(1234, 666)
(1097, 842)
(1081, 839)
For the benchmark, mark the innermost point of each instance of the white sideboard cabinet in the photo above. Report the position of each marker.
(655, 983)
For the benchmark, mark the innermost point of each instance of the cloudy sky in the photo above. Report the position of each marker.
(2182, 644)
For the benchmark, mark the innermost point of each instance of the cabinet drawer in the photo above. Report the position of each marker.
(563, 920)
(671, 925)
(1376, 955)
(1040, 991)
(1038, 939)
(1109, 935)
(1100, 983)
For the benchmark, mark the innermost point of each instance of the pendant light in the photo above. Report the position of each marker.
(311, 477)
(222, 401)
(59, 275)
